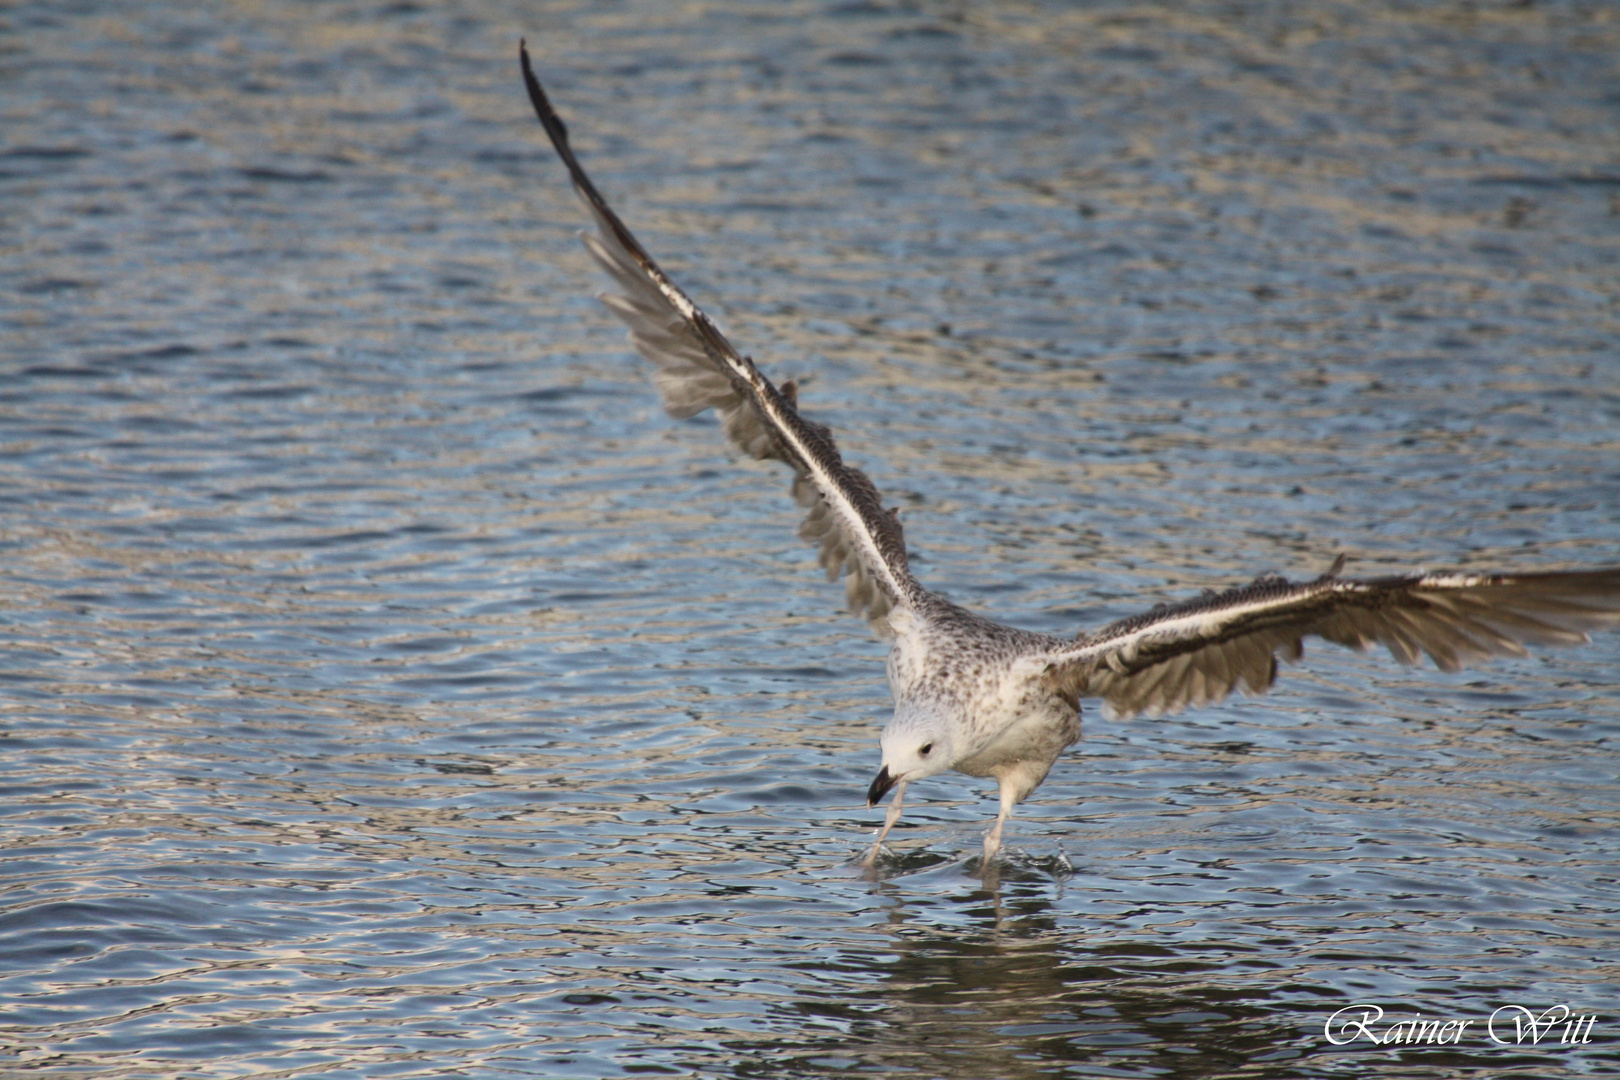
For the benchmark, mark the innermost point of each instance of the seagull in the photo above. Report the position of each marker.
(990, 700)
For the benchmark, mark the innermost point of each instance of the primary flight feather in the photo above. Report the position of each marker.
(985, 699)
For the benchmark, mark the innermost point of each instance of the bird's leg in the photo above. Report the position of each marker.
(992, 839)
(888, 823)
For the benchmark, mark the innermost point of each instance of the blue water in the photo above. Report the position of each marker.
(389, 689)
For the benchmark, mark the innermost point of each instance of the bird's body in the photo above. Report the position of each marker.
(991, 700)
(969, 695)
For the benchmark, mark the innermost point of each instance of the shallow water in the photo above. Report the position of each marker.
(390, 689)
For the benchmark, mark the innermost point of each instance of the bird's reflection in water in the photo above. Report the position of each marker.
(987, 981)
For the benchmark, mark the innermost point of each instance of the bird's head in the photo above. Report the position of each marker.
(919, 742)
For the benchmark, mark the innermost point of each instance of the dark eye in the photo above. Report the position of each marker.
(924, 749)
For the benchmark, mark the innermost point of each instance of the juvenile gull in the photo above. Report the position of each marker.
(991, 700)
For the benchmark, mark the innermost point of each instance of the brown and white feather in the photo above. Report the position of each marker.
(1201, 650)
(697, 368)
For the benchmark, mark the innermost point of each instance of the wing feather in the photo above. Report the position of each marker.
(1201, 650)
(697, 368)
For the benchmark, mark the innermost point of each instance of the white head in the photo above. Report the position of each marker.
(919, 742)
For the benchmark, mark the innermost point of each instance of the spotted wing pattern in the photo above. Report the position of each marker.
(1200, 650)
(697, 368)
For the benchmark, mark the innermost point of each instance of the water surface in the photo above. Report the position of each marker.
(390, 689)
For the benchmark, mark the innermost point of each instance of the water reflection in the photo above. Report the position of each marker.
(1006, 989)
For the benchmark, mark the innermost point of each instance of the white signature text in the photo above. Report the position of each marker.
(1510, 1025)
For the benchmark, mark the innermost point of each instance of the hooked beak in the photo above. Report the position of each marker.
(880, 787)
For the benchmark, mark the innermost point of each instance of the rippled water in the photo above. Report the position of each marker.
(390, 689)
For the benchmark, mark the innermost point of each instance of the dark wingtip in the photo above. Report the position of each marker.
(537, 97)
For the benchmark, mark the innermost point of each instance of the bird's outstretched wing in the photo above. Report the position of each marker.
(1200, 650)
(696, 368)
